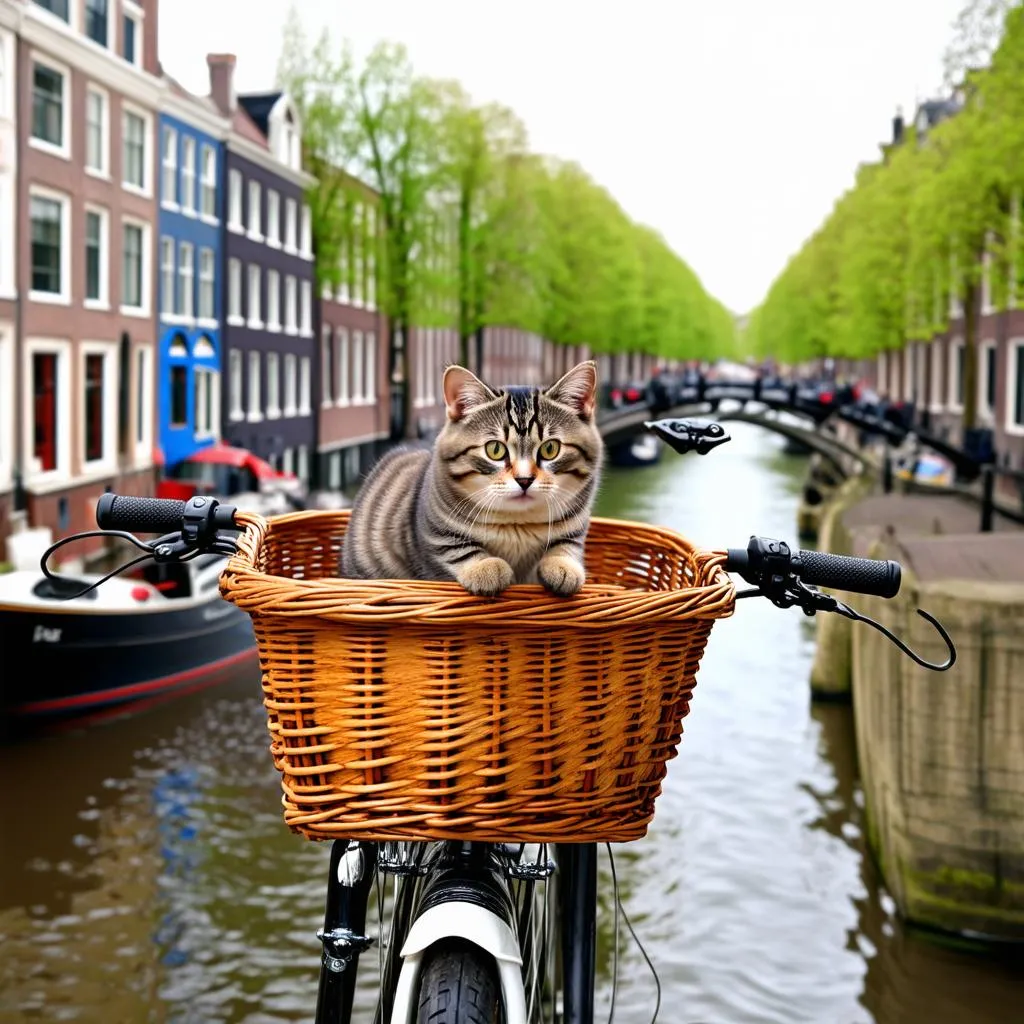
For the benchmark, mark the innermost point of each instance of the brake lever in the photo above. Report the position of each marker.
(684, 436)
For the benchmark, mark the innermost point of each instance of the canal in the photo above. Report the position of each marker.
(146, 875)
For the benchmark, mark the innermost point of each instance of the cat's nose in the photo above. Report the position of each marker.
(524, 482)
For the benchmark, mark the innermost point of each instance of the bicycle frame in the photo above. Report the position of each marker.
(352, 871)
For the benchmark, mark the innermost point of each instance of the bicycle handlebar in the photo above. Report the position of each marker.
(162, 515)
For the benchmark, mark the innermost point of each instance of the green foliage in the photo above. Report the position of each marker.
(475, 229)
(927, 224)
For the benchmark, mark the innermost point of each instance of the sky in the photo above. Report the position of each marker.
(730, 126)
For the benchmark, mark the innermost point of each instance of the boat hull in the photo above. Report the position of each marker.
(62, 663)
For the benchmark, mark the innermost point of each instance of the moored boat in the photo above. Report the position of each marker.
(131, 640)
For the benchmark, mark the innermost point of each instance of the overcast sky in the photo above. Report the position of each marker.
(731, 126)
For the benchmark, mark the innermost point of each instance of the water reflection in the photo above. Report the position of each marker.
(145, 873)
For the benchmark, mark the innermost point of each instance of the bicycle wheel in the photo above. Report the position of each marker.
(459, 985)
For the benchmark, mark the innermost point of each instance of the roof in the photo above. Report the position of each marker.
(258, 106)
(243, 125)
(935, 111)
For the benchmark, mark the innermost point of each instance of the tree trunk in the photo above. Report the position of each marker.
(408, 411)
(970, 375)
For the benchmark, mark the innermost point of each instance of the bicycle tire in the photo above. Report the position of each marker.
(459, 985)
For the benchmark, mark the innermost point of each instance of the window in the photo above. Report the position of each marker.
(987, 377)
(207, 279)
(325, 364)
(45, 399)
(288, 461)
(205, 387)
(235, 200)
(305, 386)
(290, 391)
(131, 39)
(253, 296)
(133, 281)
(936, 402)
(302, 463)
(169, 165)
(956, 374)
(186, 279)
(307, 232)
(235, 383)
(96, 131)
(96, 262)
(254, 386)
(143, 400)
(371, 367)
(133, 170)
(208, 187)
(1015, 387)
(273, 387)
(49, 266)
(58, 7)
(358, 394)
(168, 276)
(341, 365)
(188, 174)
(334, 471)
(307, 308)
(179, 395)
(273, 218)
(97, 21)
(289, 304)
(93, 426)
(273, 300)
(289, 224)
(49, 103)
(255, 212)
(234, 291)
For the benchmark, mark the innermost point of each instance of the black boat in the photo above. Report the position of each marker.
(129, 642)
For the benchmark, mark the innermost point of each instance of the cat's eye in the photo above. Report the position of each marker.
(549, 449)
(495, 450)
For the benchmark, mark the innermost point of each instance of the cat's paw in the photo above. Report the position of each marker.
(486, 577)
(561, 574)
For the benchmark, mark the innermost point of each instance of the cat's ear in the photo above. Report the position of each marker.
(463, 392)
(577, 389)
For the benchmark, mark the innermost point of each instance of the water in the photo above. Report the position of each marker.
(145, 873)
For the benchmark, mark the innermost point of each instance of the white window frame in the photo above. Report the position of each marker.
(288, 462)
(1014, 354)
(146, 189)
(985, 411)
(143, 311)
(305, 386)
(142, 368)
(326, 366)
(273, 300)
(291, 384)
(168, 275)
(254, 211)
(953, 375)
(358, 372)
(937, 393)
(103, 302)
(290, 304)
(290, 224)
(37, 480)
(273, 218)
(107, 462)
(306, 309)
(63, 297)
(235, 317)
(254, 395)
(103, 170)
(206, 391)
(236, 385)
(63, 150)
(273, 386)
(134, 11)
(207, 317)
(7, 405)
(208, 184)
(302, 463)
(253, 298)
(306, 234)
(236, 185)
(371, 367)
(342, 368)
(186, 281)
(188, 176)
(169, 167)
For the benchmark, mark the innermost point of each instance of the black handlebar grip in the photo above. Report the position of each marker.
(854, 575)
(139, 515)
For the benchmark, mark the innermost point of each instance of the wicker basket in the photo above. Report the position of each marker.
(412, 710)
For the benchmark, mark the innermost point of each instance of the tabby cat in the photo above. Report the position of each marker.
(504, 496)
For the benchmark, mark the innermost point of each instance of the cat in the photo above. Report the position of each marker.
(503, 497)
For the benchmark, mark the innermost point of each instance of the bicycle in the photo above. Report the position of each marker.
(482, 931)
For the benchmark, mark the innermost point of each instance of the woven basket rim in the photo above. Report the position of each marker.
(367, 601)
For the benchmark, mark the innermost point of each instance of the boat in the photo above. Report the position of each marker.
(640, 450)
(131, 641)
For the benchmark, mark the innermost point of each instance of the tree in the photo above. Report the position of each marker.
(977, 31)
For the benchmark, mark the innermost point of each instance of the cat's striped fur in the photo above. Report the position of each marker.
(504, 496)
